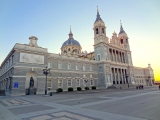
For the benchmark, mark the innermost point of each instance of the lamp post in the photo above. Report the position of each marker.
(46, 72)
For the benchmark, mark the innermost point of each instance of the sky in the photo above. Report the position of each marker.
(50, 21)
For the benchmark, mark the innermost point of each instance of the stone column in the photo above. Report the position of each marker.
(118, 76)
(109, 58)
(124, 79)
(121, 76)
(116, 56)
(5, 84)
(124, 58)
(114, 76)
(119, 57)
(111, 75)
(111, 55)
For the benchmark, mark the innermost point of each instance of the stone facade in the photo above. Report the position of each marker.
(109, 64)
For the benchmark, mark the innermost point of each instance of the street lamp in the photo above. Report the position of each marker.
(46, 72)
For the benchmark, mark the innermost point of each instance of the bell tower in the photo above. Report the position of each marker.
(123, 38)
(100, 39)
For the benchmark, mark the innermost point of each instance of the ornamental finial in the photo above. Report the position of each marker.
(120, 22)
(70, 34)
(97, 9)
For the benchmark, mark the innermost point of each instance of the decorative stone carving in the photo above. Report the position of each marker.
(31, 84)
(33, 41)
(31, 58)
(107, 70)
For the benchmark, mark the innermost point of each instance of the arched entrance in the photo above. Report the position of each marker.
(31, 83)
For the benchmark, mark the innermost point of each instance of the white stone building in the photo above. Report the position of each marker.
(109, 64)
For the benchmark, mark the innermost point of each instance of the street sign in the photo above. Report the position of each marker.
(16, 85)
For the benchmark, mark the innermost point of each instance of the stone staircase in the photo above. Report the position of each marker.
(124, 86)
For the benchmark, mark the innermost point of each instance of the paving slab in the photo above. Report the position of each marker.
(82, 101)
(28, 109)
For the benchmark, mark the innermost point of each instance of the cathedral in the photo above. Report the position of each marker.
(110, 64)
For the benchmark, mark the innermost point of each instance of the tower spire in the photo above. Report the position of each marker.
(98, 15)
(121, 28)
(70, 34)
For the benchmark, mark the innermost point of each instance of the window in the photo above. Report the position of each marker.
(77, 67)
(12, 59)
(85, 82)
(102, 30)
(121, 41)
(84, 67)
(9, 62)
(90, 76)
(59, 65)
(49, 83)
(77, 82)
(96, 30)
(68, 66)
(59, 82)
(91, 82)
(99, 57)
(69, 82)
(90, 67)
(49, 65)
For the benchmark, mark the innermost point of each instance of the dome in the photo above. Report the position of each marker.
(71, 41)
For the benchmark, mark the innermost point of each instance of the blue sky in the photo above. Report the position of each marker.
(50, 20)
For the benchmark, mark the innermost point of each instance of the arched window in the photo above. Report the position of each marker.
(103, 30)
(96, 30)
(121, 41)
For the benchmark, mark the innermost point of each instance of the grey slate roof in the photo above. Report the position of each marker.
(71, 41)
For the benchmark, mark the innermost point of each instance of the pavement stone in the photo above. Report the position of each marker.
(95, 105)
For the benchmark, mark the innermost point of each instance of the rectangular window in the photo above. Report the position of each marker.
(77, 82)
(90, 76)
(90, 68)
(49, 83)
(9, 62)
(59, 82)
(85, 82)
(84, 67)
(49, 65)
(68, 66)
(77, 67)
(59, 65)
(99, 57)
(12, 59)
(69, 83)
(91, 82)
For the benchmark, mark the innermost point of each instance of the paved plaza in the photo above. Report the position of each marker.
(127, 104)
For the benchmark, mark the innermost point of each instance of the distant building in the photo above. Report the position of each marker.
(109, 64)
